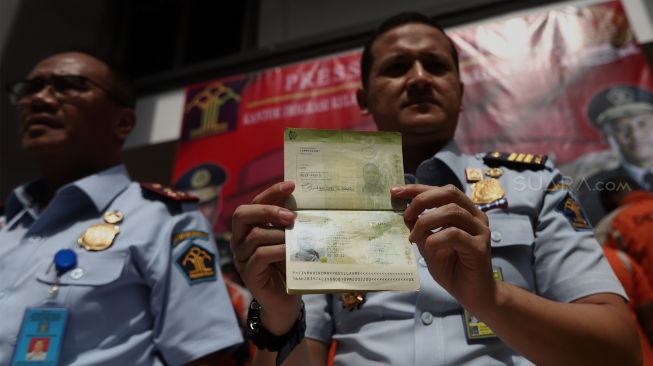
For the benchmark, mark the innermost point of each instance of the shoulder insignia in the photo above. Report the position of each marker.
(168, 192)
(515, 160)
(197, 264)
(574, 213)
(178, 238)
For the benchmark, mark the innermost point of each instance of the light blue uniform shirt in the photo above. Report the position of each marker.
(131, 304)
(533, 244)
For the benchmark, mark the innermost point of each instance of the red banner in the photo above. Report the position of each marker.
(528, 81)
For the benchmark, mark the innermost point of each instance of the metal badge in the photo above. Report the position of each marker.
(473, 174)
(98, 237)
(486, 191)
(113, 217)
(494, 172)
(352, 300)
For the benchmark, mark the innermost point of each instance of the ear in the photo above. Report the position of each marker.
(126, 124)
(361, 98)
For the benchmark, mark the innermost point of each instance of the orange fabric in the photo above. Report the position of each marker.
(240, 301)
(332, 353)
(632, 230)
(638, 290)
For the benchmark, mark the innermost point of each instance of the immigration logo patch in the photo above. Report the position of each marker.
(197, 264)
(574, 213)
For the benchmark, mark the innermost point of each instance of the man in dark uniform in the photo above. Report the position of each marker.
(624, 114)
(205, 182)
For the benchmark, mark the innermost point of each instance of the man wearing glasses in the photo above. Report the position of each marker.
(143, 288)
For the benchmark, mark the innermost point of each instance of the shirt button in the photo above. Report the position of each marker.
(422, 262)
(427, 318)
(77, 273)
(495, 236)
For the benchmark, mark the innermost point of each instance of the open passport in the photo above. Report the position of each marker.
(349, 235)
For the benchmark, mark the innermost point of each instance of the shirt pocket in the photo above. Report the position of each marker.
(512, 238)
(351, 321)
(93, 269)
(96, 293)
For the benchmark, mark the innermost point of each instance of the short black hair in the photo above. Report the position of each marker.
(393, 22)
(124, 87)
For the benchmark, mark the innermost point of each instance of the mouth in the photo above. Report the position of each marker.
(41, 120)
(420, 101)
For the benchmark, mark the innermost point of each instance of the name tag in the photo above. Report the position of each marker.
(41, 336)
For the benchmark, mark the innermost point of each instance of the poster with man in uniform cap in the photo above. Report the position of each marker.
(624, 115)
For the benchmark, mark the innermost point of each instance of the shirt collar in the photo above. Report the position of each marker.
(451, 155)
(100, 188)
(104, 186)
(445, 167)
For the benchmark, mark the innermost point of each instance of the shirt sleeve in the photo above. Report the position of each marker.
(319, 320)
(193, 315)
(569, 263)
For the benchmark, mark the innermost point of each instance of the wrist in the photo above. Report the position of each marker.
(280, 320)
(497, 304)
(263, 339)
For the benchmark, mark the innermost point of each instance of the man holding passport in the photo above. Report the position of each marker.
(509, 274)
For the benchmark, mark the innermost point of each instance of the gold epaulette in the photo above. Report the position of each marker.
(515, 160)
(168, 193)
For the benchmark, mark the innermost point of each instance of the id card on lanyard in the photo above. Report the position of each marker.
(474, 328)
(43, 327)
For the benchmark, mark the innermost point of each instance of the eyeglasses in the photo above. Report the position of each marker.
(62, 87)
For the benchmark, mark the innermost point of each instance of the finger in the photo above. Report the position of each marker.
(468, 247)
(247, 216)
(428, 197)
(449, 215)
(281, 267)
(275, 195)
(260, 261)
(257, 237)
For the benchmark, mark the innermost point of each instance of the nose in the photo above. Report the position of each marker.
(44, 99)
(418, 77)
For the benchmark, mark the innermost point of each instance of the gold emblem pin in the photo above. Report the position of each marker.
(486, 191)
(473, 174)
(113, 217)
(352, 300)
(494, 172)
(98, 237)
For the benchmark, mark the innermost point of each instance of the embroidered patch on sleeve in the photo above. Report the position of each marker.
(178, 238)
(574, 213)
(197, 264)
(558, 184)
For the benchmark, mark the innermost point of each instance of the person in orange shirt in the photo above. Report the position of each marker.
(640, 294)
(630, 226)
